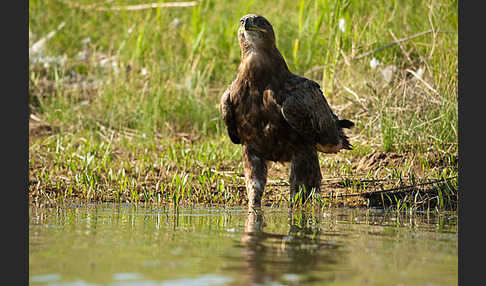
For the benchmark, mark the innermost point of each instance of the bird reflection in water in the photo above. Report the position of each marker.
(290, 257)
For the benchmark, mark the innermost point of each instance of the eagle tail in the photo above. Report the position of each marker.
(344, 123)
(345, 143)
(342, 139)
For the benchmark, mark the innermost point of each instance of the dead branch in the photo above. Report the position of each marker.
(96, 7)
(317, 68)
(392, 190)
(398, 42)
(407, 54)
(37, 46)
(424, 82)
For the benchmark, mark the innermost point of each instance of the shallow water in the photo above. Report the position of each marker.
(113, 244)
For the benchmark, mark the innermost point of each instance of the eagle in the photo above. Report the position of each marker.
(276, 115)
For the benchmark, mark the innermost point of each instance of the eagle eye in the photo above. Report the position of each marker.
(242, 21)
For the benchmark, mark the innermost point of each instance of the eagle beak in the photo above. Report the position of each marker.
(249, 26)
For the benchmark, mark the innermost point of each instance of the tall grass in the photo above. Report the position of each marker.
(160, 72)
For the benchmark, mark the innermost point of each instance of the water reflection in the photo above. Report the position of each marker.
(123, 244)
(270, 256)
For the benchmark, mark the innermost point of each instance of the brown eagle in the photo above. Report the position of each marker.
(276, 115)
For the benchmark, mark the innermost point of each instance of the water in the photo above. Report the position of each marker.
(113, 244)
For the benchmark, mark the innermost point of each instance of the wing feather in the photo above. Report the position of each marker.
(307, 111)
(227, 112)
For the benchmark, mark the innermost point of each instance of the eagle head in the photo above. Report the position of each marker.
(255, 34)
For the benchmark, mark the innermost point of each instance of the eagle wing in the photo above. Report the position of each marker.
(227, 112)
(306, 110)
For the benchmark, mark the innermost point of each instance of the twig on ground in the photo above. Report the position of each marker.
(35, 118)
(407, 55)
(392, 190)
(358, 99)
(424, 82)
(398, 42)
(97, 7)
(37, 46)
(369, 53)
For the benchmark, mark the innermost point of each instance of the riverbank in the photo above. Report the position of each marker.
(124, 103)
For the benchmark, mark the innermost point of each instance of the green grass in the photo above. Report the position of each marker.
(130, 97)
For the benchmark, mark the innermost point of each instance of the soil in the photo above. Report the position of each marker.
(40, 129)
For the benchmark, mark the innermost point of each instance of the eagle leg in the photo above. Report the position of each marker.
(255, 170)
(305, 172)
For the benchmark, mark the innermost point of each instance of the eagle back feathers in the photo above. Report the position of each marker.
(307, 111)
